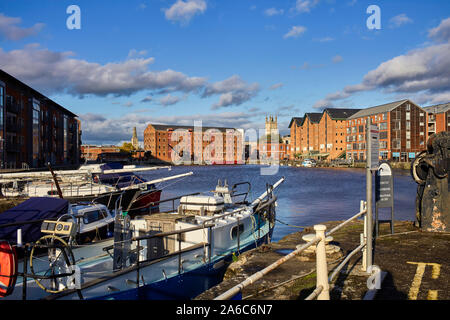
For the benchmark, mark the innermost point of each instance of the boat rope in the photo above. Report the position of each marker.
(290, 225)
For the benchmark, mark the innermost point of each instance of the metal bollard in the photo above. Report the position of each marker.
(321, 263)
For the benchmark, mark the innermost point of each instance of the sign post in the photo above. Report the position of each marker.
(374, 146)
(372, 137)
(384, 193)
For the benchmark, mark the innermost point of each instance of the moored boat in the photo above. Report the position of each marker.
(137, 195)
(174, 255)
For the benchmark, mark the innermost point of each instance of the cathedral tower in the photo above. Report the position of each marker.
(134, 140)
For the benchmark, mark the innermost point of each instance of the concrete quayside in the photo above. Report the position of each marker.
(415, 265)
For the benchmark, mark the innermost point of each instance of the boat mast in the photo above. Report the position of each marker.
(56, 180)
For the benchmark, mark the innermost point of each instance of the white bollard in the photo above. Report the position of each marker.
(19, 237)
(321, 263)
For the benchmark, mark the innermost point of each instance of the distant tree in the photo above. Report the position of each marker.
(127, 147)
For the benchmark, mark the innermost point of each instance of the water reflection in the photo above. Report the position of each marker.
(307, 197)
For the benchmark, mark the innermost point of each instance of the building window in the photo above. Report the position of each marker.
(383, 126)
(66, 136)
(396, 144)
(36, 137)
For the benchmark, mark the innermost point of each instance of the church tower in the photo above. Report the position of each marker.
(271, 125)
(134, 140)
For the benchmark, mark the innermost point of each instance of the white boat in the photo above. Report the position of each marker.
(93, 221)
(308, 163)
(134, 196)
(174, 255)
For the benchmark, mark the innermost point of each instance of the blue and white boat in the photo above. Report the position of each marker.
(174, 255)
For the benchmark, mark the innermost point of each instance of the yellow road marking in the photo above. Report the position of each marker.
(414, 290)
(432, 295)
(436, 271)
(415, 285)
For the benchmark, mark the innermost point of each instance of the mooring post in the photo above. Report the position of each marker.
(321, 263)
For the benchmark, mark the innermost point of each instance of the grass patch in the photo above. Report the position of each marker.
(303, 287)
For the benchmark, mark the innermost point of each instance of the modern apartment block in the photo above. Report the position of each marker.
(403, 131)
(438, 118)
(35, 130)
(210, 145)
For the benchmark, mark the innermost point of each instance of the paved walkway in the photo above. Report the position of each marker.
(417, 266)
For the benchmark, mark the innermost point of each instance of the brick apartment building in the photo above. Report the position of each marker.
(276, 151)
(438, 118)
(319, 135)
(332, 131)
(403, 131)
(92, 152)
(35, 130)
(295, 127)
(171, 142)
(309, 133)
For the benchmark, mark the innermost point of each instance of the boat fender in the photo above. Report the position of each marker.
(8, 268)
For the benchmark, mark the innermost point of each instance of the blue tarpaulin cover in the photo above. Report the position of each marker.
(36, 208)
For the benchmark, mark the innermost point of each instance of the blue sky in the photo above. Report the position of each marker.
(225, 62)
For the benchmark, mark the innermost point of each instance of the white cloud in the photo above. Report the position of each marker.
(305, 5)
(423, 72)
(98, 129)
(169, 100)
(128, 104)
(133, 53)
(325, 39)
(273, 12)
(337, 59)
(399, 20)
(233, 91)
(10, 30)
(441, 32)
(147, 99)
(59, 72)
(295, 32)
(276, 86)
(183, 11)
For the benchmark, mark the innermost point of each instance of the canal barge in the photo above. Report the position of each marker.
(175, 255)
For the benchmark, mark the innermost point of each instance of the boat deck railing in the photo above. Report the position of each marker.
(322, 290)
